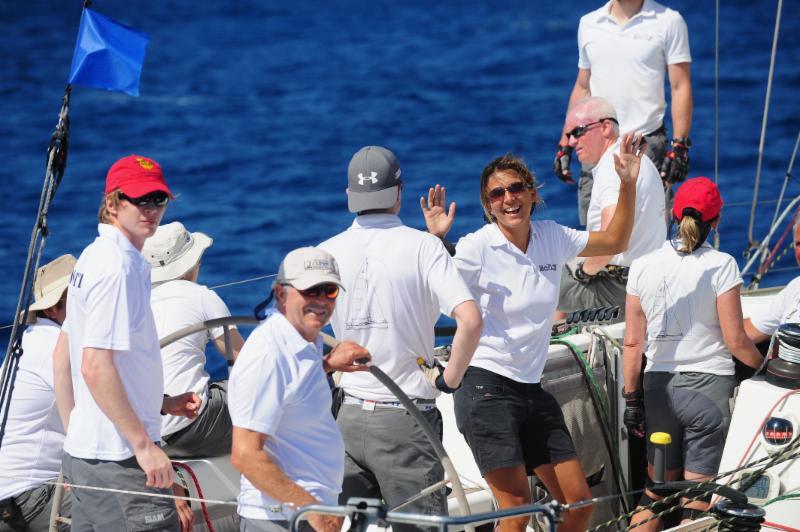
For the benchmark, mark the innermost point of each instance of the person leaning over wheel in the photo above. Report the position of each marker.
(683, 303)
(513, 267)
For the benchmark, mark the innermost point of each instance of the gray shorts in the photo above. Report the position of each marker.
(389, 457)
(103, 510)
(694, 409)
(208, 435)
(34, 507)
(656, 149)
(601, 291)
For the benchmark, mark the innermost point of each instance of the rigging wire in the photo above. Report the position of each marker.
(786, 178)
(716, 108)
(751, 243)
(56, 164)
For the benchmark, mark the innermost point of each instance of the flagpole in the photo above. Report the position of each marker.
(56, 165)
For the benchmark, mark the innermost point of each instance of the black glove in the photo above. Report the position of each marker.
(442, 386)
(561, 163)
(675, 166)
(634, 413)
(581, 276)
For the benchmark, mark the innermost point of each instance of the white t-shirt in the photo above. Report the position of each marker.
(785, 308)
(649, 224)
(628, 62)
(398, 280)
(109, 308)
(678, 293)
(278, 388)
(178, 304)
(32, 445)
(517, 293)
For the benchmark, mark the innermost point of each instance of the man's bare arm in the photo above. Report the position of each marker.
(103, 380)
(681, 89)
(579, 91)
(62, 379)
(250, 459)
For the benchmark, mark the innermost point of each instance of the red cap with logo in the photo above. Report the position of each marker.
(702, 195)
(136, 176)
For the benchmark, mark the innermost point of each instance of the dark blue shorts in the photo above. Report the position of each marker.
(508, 423)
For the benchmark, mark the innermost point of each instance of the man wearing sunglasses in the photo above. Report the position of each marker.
(113, 407)
(398, 280)
(624, 49)
(593, 132)
(285, 440)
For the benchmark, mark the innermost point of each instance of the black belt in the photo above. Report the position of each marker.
(620, 273)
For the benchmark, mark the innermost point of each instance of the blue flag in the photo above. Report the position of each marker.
(107, 54)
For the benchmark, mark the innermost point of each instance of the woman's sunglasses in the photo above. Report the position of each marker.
(499, 193)
(157, 199)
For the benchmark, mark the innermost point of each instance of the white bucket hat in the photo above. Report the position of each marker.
(172, 251)
(51, 281)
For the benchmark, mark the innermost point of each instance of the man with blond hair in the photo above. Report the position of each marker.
(107, 365)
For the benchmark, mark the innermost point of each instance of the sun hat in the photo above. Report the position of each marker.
(700, 194)
(373, 176)
(307, 267)
(136, 176)
(49, 285)
(172, 251)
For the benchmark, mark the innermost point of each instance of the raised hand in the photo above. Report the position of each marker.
(437, 220)
(627, 163)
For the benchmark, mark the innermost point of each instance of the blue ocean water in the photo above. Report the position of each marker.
(254, 109)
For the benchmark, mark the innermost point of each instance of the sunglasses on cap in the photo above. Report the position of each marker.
(154, 199)
(579, 131)
(499, 193)
(329, 290)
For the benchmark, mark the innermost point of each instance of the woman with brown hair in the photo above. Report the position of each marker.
(513, 268)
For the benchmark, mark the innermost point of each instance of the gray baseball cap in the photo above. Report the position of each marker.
(373, 177)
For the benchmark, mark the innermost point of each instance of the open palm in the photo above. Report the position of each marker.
(627, 163)
(437, 219)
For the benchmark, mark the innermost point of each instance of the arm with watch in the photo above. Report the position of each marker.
(675, 166)
(632, 349)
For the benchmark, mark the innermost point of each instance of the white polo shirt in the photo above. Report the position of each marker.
(178, 304)
(785, 308)
(518, 294)
(628, 62)
(397, 280)
(678, 293)
(32, 445)
(649, 224)
(278, 388)
(109, 308)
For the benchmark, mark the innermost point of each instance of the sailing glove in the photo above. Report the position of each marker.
(561, 163)
(435, 376)
(675, 166)
(634, 413)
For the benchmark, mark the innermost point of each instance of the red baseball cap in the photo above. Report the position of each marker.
(136, 176)
(701, 194)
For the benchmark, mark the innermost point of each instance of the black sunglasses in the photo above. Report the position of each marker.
(157, 199)
(513, 189)
(329, 290)
(579, 131)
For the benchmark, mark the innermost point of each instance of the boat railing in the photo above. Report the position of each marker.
(366, 512)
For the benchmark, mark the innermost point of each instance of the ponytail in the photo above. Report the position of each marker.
(692, 231)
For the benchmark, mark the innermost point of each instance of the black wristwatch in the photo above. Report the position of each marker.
(631, 396)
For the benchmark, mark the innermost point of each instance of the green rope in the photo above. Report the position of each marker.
(597, 392)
